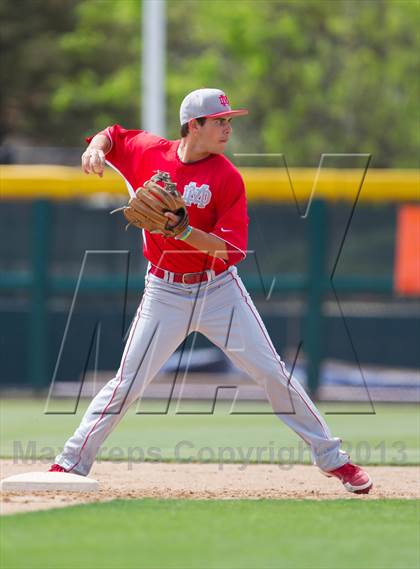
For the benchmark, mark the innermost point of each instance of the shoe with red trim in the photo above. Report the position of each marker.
(354, 478)
(56, 468)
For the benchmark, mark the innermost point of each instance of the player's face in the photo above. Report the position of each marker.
(215, 133)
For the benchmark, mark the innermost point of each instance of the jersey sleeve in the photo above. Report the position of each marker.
(232, 222)
(127, 147)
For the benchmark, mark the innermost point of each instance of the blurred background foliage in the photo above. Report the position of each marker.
(317, 76)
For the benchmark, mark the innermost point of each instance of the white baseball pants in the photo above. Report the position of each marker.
(223, 311)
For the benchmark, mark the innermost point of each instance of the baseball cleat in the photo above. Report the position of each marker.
(354, 478)
(56, 468)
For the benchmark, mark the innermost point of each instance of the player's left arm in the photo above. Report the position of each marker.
(207, 243)
(203, 241)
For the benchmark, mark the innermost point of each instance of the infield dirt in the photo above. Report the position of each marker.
(208, 481)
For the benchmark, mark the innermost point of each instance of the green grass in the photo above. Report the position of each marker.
(224, 534)
(391, 436)
(340, 534)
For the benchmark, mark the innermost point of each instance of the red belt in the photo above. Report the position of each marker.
(184, 278)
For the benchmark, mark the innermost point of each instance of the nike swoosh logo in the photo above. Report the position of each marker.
(225, 230)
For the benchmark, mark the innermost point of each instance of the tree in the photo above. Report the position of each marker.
(68, 67)
(317, 76)
(103, 79)
(31, 64)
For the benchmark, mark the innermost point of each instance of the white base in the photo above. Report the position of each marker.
(48, 481)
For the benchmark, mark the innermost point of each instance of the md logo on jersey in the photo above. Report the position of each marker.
(198, 195)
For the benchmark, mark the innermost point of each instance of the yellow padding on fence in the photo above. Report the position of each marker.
(263, 184)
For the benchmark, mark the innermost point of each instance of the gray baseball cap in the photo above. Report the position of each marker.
(207, 103)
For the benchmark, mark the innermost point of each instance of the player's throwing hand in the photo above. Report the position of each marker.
(93, 161)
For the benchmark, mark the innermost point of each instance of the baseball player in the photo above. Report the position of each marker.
(192, 283)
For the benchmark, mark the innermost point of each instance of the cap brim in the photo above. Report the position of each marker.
(237, 113)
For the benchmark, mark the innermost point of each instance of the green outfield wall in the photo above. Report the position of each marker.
(52, 215)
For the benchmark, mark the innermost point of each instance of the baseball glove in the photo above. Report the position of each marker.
(147, 209)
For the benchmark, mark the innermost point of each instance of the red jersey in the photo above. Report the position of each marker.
(212, 188)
